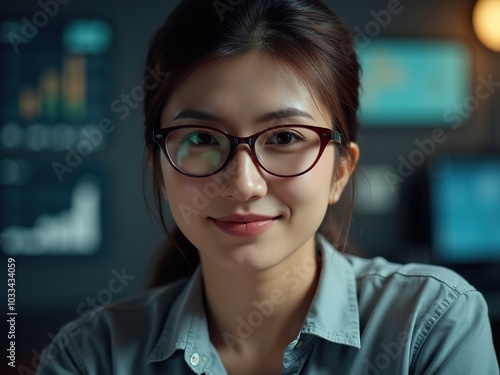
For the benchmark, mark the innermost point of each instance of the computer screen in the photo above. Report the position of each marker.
(413, 83)
(56, 116)
(465, 208)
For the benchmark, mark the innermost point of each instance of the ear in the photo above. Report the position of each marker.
(345, 168)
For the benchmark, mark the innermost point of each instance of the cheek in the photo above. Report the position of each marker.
(177, 186)
(187, 197)
(178, 189)
(311, 191)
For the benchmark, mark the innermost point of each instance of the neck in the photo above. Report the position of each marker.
(260, 310)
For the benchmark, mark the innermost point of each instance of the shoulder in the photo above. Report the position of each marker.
(380, 273)
(418, 300)
(130, 325)
(148, 307)
(423, 291)
(430, 312)
(387, 291)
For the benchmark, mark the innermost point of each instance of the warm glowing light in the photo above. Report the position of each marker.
(486, 21)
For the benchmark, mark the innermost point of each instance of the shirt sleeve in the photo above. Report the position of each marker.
(459, 341)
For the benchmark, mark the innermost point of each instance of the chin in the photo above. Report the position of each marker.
(247, 258)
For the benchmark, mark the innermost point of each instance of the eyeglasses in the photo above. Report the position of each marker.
(284, 151)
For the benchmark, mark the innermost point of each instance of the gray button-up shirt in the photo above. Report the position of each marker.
(368, 316)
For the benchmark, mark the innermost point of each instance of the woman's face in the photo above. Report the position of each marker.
(243, 218)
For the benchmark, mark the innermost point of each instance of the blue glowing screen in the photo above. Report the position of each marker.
(408, 83)
(465, 207)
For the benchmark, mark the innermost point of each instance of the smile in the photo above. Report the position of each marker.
(244, 225)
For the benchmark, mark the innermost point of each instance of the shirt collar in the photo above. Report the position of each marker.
(334, 312)
(185, 325)
(333, 315)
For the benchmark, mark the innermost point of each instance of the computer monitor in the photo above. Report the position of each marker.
(412, 83)
(465, 208)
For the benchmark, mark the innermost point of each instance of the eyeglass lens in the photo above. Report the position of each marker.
(284, 151)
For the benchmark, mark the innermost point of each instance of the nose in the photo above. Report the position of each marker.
(244, 177)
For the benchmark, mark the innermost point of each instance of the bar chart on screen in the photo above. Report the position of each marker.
(55, 95)
(76, 230)
(56, 86)
(41, 217)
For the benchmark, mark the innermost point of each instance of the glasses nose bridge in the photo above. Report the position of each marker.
(250, 141)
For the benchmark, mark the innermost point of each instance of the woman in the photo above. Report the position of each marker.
(251, 140)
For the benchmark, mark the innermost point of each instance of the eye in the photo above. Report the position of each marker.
(201, 138)
(284, 138)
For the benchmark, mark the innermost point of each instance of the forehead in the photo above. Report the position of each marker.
(241, 88)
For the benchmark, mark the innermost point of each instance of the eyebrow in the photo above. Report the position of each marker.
(275, 115)
(284, 113)
(197, 114)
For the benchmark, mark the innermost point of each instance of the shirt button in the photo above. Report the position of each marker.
(195, 359)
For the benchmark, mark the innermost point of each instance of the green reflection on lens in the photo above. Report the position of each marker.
(212, 156)
(183, 152)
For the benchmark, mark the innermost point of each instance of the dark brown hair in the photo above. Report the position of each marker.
(303, 35)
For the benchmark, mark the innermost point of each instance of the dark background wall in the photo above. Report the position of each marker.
(50, 290)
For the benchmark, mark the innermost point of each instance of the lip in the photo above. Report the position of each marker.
(244, 225)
